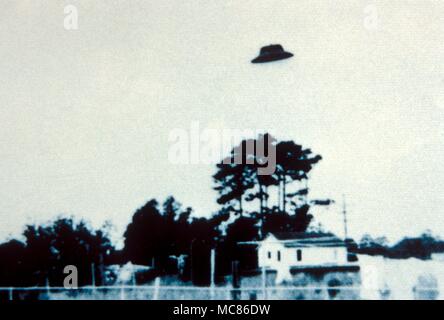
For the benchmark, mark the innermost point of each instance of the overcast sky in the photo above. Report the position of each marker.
(86, 114)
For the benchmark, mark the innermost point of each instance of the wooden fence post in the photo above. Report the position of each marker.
(264, 283)
(212, 279)
(236, 293)
(122, 292)
(48, 290)
(156, 288)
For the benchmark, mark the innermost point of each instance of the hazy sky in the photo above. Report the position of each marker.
(86, 114)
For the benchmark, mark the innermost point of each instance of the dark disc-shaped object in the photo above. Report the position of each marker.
(273, 52)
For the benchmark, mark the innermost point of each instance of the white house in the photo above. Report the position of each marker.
(301, 251)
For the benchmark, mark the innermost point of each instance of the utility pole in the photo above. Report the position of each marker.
(344, 212)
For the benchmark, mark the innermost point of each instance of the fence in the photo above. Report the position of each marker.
(158, 292)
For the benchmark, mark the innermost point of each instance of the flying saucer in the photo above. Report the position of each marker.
(273, 52)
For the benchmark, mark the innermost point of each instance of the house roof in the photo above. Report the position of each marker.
(293, 240)
(299, 235)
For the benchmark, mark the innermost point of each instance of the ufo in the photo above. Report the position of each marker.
(273, 52)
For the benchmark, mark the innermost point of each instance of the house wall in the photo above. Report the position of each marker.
(310, 256)
(273, 247)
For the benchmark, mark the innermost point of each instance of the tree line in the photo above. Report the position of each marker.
(421, 247)
(160, 233)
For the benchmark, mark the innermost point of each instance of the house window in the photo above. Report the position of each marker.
(299, 254)
(279, 256)
(269, 254)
